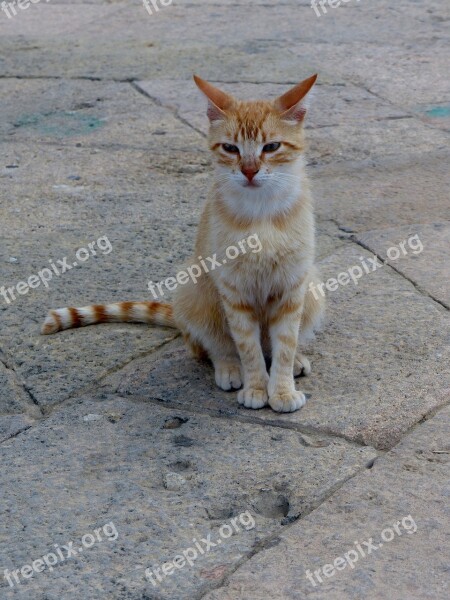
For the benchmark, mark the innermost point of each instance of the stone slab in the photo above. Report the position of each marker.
(409, 485)
(375, 365)
(127, 42)
(158, 475)
(409, 75)
(382, 194)
(94, 114)
(15, 401)
(54, 367)
(53, 187)
(429, 269)
(12, 425)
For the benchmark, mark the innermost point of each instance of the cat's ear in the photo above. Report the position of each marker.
(218, 101)
(292, 104)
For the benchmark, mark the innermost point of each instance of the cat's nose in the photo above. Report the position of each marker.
(249, 172)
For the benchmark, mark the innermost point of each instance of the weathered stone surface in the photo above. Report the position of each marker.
(68, 476)
(103, 134)
(410, 481)
(116, 186)
(12, 425)
(386, 193)
(374, 366)
(65, 196)
(55, 366)
(425, 259)
(14, 399)
(267, 43)
(417, 78)
(95, 114)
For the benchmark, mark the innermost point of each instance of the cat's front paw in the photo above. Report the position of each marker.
(253, 398)
(287, 401)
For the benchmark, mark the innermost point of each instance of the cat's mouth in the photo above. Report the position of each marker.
(251, 184)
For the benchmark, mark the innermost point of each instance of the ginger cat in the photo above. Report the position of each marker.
(258, 304)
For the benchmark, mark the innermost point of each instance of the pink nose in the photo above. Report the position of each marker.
(249, 172)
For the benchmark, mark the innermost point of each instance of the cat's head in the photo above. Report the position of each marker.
(258, 145)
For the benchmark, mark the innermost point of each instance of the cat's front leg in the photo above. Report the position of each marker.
(284, 322)
(245, 330)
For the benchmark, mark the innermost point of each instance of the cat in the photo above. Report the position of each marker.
(259, 305)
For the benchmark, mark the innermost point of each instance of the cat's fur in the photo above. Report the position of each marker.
(258, 304)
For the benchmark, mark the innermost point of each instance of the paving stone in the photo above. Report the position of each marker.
(374, 366)
(407, 76)
(94, 114)
(55, 366)
(153, 48)
(382, 194)
(64, 197)
(426, 261)
(114, 470)
(412, 564)
(116, 185)
(86, 152)
(12, 425)
(15, 401)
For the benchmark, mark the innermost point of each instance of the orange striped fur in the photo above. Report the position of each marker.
(153, 313)
(258, 305)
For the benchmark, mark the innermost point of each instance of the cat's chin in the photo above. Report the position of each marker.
(260, 202)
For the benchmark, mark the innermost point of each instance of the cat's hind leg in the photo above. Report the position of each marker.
(200, 316)
(312, 317)
(302, 366)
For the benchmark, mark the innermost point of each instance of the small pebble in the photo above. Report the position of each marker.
(174, 482)
(92, 417)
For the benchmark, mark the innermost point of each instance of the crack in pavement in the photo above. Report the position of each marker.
(18, 380)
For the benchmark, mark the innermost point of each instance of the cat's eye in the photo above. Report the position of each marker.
(230, 148)
(271, 147)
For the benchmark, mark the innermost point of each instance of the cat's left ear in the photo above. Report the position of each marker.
(292, 104)
(218, 101)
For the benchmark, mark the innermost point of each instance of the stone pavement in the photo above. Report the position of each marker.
(115, 428)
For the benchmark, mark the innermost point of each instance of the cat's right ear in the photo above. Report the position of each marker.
(218, 101)
(292, 104)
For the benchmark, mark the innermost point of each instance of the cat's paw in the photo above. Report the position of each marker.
(253, 398)
(302, 366)
(228, 375)
(287, 401)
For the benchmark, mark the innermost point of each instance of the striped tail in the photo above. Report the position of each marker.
(153, 313)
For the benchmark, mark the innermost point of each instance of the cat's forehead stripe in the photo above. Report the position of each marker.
(249, 122)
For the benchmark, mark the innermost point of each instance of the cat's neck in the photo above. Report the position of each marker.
(251, 205)
(271, 212)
